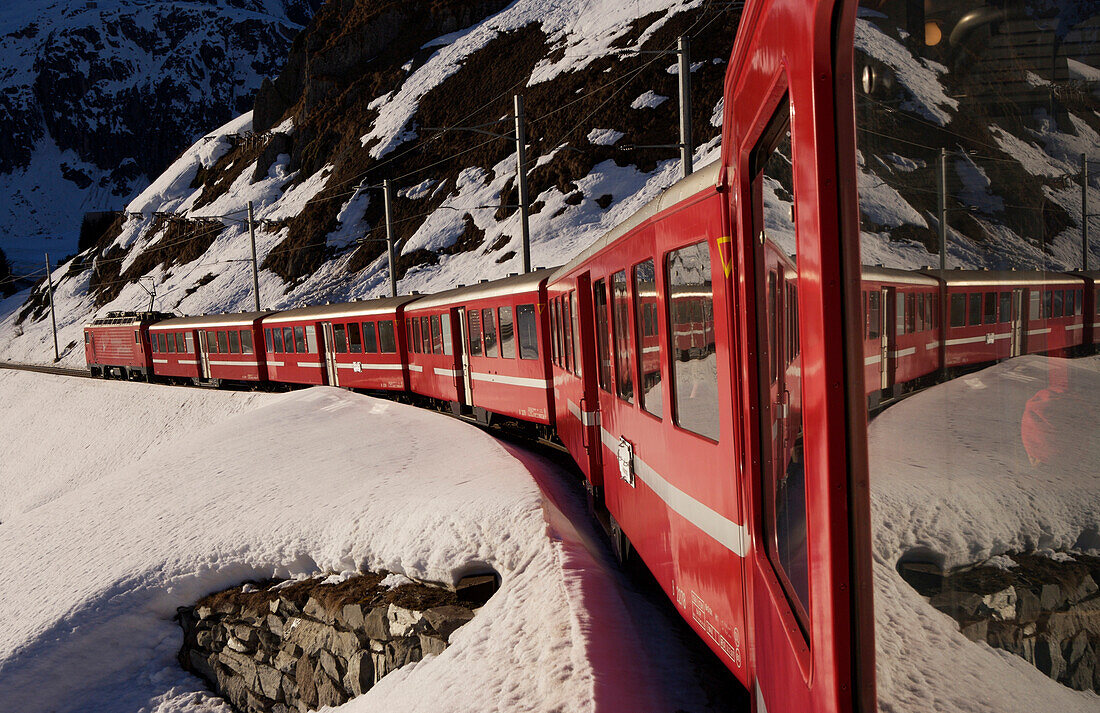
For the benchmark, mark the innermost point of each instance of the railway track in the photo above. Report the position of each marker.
(56, 370)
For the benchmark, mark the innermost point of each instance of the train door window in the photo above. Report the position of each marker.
(190, 342)
(875, 317)
(910, 313)
(527, 332)
(567, 332)
(1005, 308)
(648, 341)
(555, 333)
(603, 350)
(268, 340)
(1047, 304)
(919, 319)
(1078, 305)
(341, 338)
(489, 327)
(1034, 309)
(785, 527)
(624, 368)
(414, 334)
(899, 304)
(437, 337)
(426, 333)
(507, 333)
(246, 341)
(387, 337)
(152, 341)
(288, 339)
(473, 330)
(576, 333)
(958, 310)
(171, 342)
(989, 314)
(1058, 299)
(234, 341)
(137, 336)
(223, 342)
(974, 316)
(370, 338)
(355, 344)
(694, 365)
(445, 333)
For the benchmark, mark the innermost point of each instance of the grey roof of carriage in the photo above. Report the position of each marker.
(342, 310)
(212, 320)
(492, 288)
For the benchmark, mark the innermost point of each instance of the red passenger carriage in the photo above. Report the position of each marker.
(215, 348)
(901, 328)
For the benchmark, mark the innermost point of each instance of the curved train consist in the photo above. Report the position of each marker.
(708, 363)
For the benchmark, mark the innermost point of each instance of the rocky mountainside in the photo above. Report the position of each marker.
(98, 97)
(366, 93)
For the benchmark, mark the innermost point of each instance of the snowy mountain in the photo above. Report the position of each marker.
(365, 89)
(97, 97)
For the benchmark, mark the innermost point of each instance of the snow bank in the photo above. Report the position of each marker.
(318, 480)
(950, 476)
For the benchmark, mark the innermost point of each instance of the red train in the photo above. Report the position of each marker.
(708, 363)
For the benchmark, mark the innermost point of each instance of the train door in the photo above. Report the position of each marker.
(329, 348)
(464, 350)
(888, 344)
(584, 332)
(1019, 323)
(204, 355)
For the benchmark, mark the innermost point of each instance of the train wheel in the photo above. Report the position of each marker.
(620, 543)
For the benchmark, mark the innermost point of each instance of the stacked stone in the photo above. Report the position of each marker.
(277, 653)
(1045, 610)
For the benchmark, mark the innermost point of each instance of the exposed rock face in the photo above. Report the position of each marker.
(297, 646)
(1044, 609)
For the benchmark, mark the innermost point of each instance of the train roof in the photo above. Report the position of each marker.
(340, 310)
(878, 273)
(130, 319)
(232, 319)
(1092, 275)
(705, 177)
(983, 278)
(492, 288)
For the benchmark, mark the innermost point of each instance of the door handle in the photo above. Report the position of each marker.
(784, 405)
(584, 426)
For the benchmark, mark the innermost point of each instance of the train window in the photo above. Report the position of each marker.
(1078, 305)
(507, 333)
(288, 339)
(445, 333)
(267, 340)
(190, 342)
(555, 332)
(576, 333)
(919, 318)
(414, 335)
(527, 332)
(473, 331)
(299, 340)
(426, 334)
(1034, 308)
(355, 344)
(223, 341)
(1048, 298)
(437, 338)
(910, 313)
(234, 341)
(648, 341)
(276, 340)
(1059, 303)
(1005, 307)
(137, 336)
(489, 327)
(874, 315)
(153, 346)
(568, 332)
(246, 341)
(311, 339)
(899, 305)
(409, 336)
(171, 342)
(340, 338)
(163, 342)
(603, 351)
(1096, 299)
(958, 310)
(87, 338)
(989, 315)
(370, 338)
(387, 339)
(974, 309)
(691, 333)
(624, 367)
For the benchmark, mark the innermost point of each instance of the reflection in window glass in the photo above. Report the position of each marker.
(507, 333)
(527, 332)
(190, 343)
(355, 344)
(603, 348)
(277, 340)
(288, 339)
(171, 342)
(489, 326)
(311, 339)
(473, 331)
(445, 328)
(576, 333)
(691, 331)
(340, 338)
(387, 342)
(246, 341)
(426, 334)
(223, 342)
(370, 339)
(437, 338)
(620, 299)
(234, 342)
(649, 344)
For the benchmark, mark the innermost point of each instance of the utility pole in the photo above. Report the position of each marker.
(53, 318)
(942, 207)
(255, 270)
(386, 190)
(521, 183)
(1084, 212)
(683, 49)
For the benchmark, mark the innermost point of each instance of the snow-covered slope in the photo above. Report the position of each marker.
(95, 558)
(96, 98)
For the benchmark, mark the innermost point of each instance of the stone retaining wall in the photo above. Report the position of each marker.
(1043, 608)
(288, 646)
